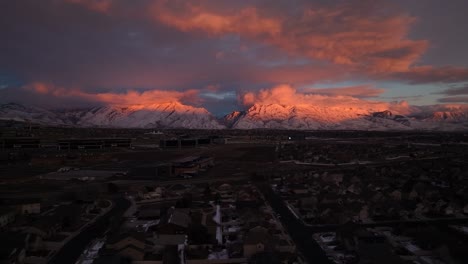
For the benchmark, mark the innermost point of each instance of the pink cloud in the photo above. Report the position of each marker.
(343, 34)
(360, 91)
(191, 17)
(129, 98)
(356, 34)
(287, 95)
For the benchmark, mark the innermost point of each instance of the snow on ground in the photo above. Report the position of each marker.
(223, 254)
(91, 253)
(217, 219)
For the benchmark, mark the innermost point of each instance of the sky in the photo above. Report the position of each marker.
(227, 55)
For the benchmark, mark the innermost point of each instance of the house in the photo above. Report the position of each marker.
(334, 178)
(176, 221)
(185, 169)
(31, 207)
(299, 189)
(26, 206)
(128, 245)
(251, 217)
(363, 214)
(192, 165)
(247, 198)
(123, 240)
(64, 217)
(371, 247)
(396, 195)
(378, 253)
(7, 216)
(258, 240)
(158, 193)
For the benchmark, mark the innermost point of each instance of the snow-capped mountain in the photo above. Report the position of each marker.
(394, 116)
(231, 119)
(165, 115)
(303, 116)
(17, 112)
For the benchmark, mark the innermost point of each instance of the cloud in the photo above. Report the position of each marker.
(431, 74)
(360, 91)
(102, 6)
(115, 50)
(356, 34)
(455, 91)
(189, 17)
(142, 99)
(458, 99)
(399, 98)
(287, 95)
(284, 95)
(350, 33)
(146, 98)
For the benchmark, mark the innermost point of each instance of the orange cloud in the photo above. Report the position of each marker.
(144, 99)
(287, 95)
(345, 35)
(195, 17)
(48, 89)
(360, 91)
(38, 88)
(366, 37)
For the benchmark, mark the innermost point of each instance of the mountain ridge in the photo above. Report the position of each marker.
(164, 115)
(258, 116)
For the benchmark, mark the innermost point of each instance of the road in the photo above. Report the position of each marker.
(195, 180)
(299, 233)
(71, 251)
(411, 222)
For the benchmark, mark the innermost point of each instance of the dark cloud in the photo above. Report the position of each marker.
(361, 91)
(455, 91)
(119, 46)
(430, 74)
(45, 94)
(458, 99)
(399, 98)
(347, 33)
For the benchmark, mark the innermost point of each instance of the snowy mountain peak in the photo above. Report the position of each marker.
(273, 116)
(231, 119)
(165, 115)
(383, 114)
(352, 117)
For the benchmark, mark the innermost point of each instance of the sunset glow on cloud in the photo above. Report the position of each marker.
(361, 91)
(287, 95)
(340, 34)
(211, 53)
(125, 99)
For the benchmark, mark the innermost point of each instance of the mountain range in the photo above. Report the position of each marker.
(398, 116)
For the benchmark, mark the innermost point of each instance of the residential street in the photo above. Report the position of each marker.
(70, 252)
